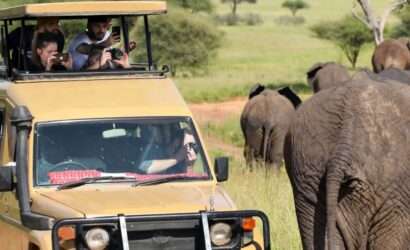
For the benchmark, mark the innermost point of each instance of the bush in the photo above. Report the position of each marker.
(250, 19)
(290, 20)
(403, 28)
(295, 5)
(194, 5)
(182, 40)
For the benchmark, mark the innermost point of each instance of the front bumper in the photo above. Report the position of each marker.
(166, 231)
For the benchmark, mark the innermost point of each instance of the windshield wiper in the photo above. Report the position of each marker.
(168, 179)
(89, 180)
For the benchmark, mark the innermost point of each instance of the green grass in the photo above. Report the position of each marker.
(229, 131)
(269, 53)
(271, 194)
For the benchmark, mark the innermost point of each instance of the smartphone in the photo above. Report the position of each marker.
(116, 31)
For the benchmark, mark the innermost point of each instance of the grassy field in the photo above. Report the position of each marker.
(269, 53)
(275, 55)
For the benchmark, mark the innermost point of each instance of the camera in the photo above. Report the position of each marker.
(116, 54)
(60, 57)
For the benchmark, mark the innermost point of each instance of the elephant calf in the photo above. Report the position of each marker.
(347, 156)
(265, 121)
(326, 75)
(391, 54)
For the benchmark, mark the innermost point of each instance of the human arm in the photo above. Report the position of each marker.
(158, 166)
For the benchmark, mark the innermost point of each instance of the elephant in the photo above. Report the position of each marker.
(347, 155)
(391, 54)
(326, 75)
(264, 123)
(401, 76)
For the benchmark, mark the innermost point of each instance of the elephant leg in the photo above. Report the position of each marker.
(276, 147)
(305, 212)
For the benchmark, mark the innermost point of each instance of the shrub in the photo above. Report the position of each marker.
(252, 19)
(295, 5)
(182, 40)
(194, 5)
(290, 20)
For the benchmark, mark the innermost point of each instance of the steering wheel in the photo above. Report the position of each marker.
(68, 165)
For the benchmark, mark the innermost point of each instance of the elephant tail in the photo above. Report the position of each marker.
(266, 135)
(337, 168)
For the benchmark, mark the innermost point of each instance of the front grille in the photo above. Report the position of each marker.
(169, 235)
(161, 232)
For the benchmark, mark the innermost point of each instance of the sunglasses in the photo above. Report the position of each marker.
(193, 146)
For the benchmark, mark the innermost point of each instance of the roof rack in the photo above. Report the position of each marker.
(81, 9)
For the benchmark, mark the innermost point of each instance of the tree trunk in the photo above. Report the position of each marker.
(234, 7)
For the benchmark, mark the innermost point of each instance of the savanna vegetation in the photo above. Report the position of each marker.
(269, 53)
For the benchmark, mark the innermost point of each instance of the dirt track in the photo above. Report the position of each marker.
(218, 113)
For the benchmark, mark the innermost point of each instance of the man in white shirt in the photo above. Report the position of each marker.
(97, 32)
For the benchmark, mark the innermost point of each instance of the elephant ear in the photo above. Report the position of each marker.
(292, 96)
(256, 90)
(311, 73)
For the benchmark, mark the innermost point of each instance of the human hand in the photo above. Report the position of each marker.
(68, 64)
(114, 38)
(132, 45)
(51, 61)
(123, 62)
(105, 57)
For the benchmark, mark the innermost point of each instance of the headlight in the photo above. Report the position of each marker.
(97, 239)
(221, 234)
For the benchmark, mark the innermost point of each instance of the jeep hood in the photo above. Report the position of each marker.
(98, 200)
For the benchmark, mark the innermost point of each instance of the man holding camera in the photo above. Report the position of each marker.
(46, 56)
(97, 32)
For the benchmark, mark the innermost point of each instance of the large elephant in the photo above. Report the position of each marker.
(265, 121)
(347, 155)
(391, 54)
(326, 75)
(401, 76)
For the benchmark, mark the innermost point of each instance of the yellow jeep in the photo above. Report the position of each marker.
(107, 159)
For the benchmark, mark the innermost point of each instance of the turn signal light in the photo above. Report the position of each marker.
(248, 224)
(66, 233)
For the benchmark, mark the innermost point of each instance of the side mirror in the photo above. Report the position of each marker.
(221, 168)
(6, 179)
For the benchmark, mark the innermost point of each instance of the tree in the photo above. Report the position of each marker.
(295, 5)
(194, 5)
(376, 23)
(235, 4)
(348, 34)
(182, 40)
(403, 28)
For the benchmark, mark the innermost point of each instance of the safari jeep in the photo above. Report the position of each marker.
(78, 150)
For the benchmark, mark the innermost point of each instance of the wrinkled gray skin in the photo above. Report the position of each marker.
(402, 76)
(326, 75)
(347, 155)
(264, 122)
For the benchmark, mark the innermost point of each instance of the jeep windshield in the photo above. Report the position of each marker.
(136, 150)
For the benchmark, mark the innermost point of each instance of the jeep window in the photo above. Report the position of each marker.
(141, 148)
(30, 66)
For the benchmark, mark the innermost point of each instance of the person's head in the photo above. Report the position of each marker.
(97, 26)
(48, 24)
(45, 46)
(185, 138)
